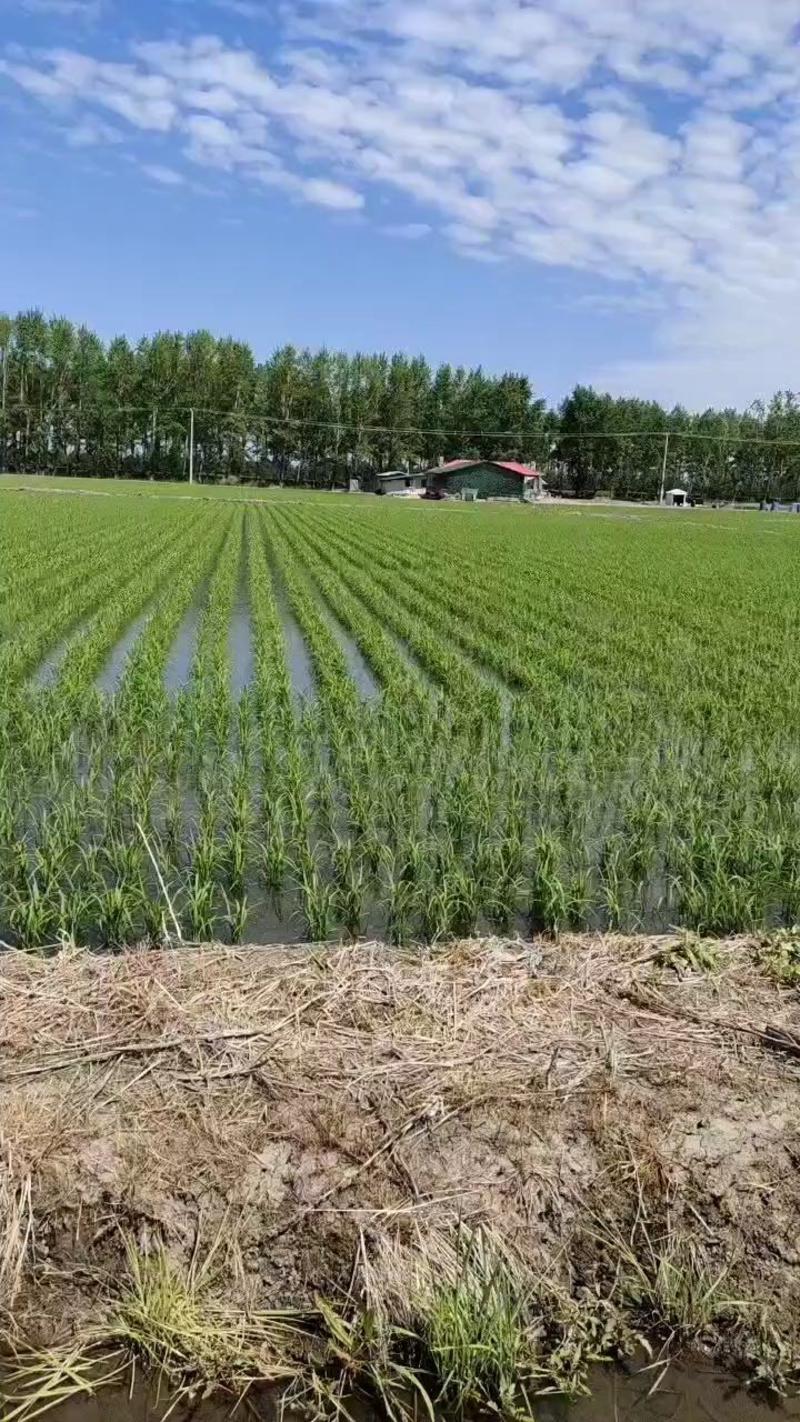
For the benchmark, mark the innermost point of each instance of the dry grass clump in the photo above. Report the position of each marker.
(665, 1276)
(174, 1320)
(16, 1229)
(37, 1380)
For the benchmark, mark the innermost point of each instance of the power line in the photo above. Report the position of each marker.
(520, 435)
(293, 421)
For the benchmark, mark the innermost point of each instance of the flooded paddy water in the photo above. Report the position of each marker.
(179, 663)
(46, 674)
(687, 1392)
(240, 643)
(114, 669)
(301, 667)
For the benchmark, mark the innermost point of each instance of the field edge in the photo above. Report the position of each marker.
(603, 1129)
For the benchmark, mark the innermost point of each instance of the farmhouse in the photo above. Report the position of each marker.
(488, 478)
(399, 481)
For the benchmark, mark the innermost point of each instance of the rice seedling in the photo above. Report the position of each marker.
(403, 904)
(318, 898)
(238, 912)
(549, 897)
(116, 911)
(351, 886)
(200, 901)
(274, 854)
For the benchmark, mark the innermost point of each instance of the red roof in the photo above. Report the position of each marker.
(521, 470)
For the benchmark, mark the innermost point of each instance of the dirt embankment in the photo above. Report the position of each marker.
(619, 1117)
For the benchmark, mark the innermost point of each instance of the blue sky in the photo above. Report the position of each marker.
(593, 190)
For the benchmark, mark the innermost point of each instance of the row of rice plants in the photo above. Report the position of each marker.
(453, 672)
(68, 839)
(506, 630)
(42, 570)
(115, 579)
(374, 814)
(434, 862)
(627, 864)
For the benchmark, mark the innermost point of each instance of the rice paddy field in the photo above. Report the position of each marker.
(311, 717)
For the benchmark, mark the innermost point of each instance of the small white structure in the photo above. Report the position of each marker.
(676, 499)
(533, 488)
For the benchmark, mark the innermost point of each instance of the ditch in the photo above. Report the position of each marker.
(685, 1392)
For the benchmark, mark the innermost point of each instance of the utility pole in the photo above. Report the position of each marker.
(664, 467)
(191, 446)
(4, 445)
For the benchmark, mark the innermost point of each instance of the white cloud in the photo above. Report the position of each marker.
(91, 131)
(245, 9)
(612, 303)
(210, 132)
(167, 177)
(654, 144)
(328, 194)
(408, 231)
(71, 9)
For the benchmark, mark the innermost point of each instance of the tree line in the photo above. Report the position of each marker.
(72, 405)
